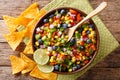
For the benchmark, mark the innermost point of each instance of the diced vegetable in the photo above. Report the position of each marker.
(65, 56)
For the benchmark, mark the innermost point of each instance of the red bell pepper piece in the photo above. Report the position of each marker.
(73, 11)
(79, 18)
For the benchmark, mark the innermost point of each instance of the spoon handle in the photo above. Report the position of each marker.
(94, 12)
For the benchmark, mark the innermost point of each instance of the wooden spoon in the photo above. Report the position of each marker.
(93, 13)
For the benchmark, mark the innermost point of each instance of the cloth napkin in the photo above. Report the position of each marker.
(107, 42)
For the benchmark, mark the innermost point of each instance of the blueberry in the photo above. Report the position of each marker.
(54, 47)
(72, 40)
(80, 29)
(78, 66)
(88, 32)
(65, 26)
(62, 11)
(81, 48)
(91, 26)
(74, 68)
(88, 41)
(51, 16)
(56, 67)
(45, 20)
(40, 41)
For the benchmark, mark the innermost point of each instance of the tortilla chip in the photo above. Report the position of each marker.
(46, 76)
(28, 49)
(28, 34)
(14, 39)
(21, 20)
(31, 64)
(10, 22)
(28, 15)
(17, 64)
(31, 12)
(33, 23)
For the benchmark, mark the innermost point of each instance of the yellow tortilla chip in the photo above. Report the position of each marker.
(10, 22)
(31, 12)
(32, 24)
(28, 15)
(45, 76)
(21, 20)
(14, 39)
(31, 64)
(28, 49)
(17, 64)
(30, 27)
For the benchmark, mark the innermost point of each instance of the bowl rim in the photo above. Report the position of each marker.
(97, 38)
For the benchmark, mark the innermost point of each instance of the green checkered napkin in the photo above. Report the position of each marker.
(107, 42)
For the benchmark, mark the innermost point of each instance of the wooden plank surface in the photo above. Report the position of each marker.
(107, 69)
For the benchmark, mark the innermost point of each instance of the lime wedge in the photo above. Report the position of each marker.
(41, 57)
(46, 68)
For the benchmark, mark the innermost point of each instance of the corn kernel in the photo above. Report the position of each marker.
(78, 42)
(56, 36)
(66, 18)
(78, 62)
(67, 15)
(73, 59)
(80, 54)
(52, 57)
(62, 18)
(58, 43)
(53, 52)
(85, 29)
(48, 30)
(90, 36)
(76, 31)
(47, 52)
(83, 58)
(37, 43)
(90, 29)
(66, 37)
(83, 32)
(86, 49)
(55, 24)
(71, 20)
(67, 21)
(50, 20)
(62, 53)
(93, 40)
(70, 70)
(51, 60)
(92, 32)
